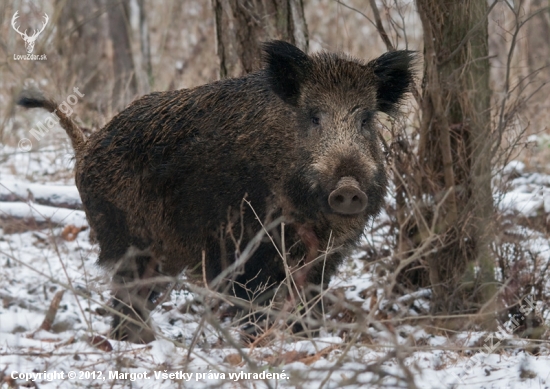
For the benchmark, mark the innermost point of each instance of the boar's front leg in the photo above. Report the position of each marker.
(310, 240)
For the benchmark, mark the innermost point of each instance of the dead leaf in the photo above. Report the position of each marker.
(100, 343)
(233, 359)
(71, 232)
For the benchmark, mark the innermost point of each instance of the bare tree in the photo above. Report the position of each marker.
(241, 26)
(125, 86)
(141, 48)
(538, 53)
(450, 187)
(81, 41)
(96, 42)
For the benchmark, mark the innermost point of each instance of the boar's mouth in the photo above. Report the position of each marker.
(347, 198)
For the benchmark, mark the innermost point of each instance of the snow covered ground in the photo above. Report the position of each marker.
(46, 256)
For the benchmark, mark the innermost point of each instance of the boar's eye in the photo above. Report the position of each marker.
(366, 119)
(314, 115)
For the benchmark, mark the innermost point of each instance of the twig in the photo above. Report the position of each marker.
(380, 26)
(52, 311)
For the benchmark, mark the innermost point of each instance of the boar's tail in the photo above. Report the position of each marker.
(34, 99)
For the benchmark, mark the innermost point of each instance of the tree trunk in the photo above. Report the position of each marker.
(83, 37)
(454, 172)
(125, 83)
(538, 38)
(241, 26)
(141, 47)
(81, 42)
(145, 45)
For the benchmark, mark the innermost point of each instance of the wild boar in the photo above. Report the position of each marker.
(163, 183)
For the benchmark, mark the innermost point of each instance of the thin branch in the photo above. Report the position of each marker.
(356, 10)
(380, 26)
(377, 23)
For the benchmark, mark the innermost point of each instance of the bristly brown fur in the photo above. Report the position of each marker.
(164, 181)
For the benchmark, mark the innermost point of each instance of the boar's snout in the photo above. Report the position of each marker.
(347, 198)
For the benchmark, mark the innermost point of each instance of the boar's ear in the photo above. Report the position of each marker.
(286, 67)
(395, 74)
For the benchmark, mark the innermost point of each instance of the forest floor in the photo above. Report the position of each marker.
(47, 265)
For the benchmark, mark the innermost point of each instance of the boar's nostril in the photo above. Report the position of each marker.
(347, 198)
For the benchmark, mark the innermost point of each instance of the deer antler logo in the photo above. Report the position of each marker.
(29, 40)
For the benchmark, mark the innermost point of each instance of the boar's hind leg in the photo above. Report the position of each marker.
(134, 294)
(134, 267)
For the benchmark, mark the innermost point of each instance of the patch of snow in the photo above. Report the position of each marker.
(43, 213)
(514, 167)
(60, 194)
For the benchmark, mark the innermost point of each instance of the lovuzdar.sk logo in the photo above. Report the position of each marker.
(29, 40)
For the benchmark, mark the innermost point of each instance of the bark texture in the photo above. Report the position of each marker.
(242, 25)
(81, 41)
(125, 82)
(453, 178)
(538, 53)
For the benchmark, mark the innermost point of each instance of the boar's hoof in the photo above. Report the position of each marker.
(130, 331)
(347, 198)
